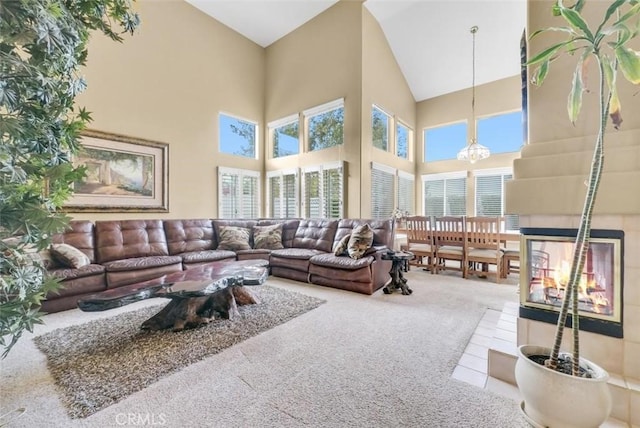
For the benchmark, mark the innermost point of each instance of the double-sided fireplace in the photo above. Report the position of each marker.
(546, 256)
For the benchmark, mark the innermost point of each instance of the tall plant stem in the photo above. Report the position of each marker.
(582, 237)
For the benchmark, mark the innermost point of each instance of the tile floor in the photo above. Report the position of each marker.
(497, 330)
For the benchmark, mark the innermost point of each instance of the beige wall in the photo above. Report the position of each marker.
(549, 178)
(317, 63)
(383, 84)
(168, 83)
(501, 96)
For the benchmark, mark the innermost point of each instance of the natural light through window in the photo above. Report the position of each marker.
(325, 125)
(285, 140)
(502, 133)
(403, 140)
(237, 136)
(444, 142)
(379, 129)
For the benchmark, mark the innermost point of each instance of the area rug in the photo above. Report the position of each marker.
(97, 364)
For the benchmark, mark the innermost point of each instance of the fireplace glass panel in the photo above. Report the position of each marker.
(547, 263)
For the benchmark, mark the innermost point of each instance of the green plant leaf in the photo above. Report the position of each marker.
(568, 30)
(629, 61)
(574, 104)
(540, 73)
(610, 11)
(615, 109)
(548, 53)
(575, 20)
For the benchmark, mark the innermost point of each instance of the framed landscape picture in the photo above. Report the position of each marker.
(123, 174)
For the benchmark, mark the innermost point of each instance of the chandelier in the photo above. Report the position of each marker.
(474, 151)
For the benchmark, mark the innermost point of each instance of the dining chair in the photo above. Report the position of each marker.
(420, 241)
(450, 243)
(484, 247)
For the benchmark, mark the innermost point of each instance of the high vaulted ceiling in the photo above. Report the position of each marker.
(430, 39)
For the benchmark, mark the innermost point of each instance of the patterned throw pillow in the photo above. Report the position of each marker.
(234, 238)
(267, 237)
(341, 246)
(69, 256)
(360, 241)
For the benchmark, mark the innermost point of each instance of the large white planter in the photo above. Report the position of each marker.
(556, 400)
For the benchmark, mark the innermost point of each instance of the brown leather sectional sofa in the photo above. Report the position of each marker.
(125, 252)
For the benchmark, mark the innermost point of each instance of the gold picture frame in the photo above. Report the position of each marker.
(124, 174)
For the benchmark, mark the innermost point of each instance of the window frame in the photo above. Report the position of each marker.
(320, 169)
(282, 173)
(310, 113)
(410, 139)
(455, 144)
(272, 126)
(389, 126)
(241, 174)
(256, 125)
(388, 170)
(494, 172)
(454, 175)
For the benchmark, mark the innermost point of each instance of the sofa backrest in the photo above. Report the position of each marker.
(124, 239)
(79, 235)
(316, 234)
(382, 230)
(246, 223)
(189, 235)
(289, 228)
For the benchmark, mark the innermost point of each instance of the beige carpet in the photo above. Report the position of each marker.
(98, 363)
(359, 361)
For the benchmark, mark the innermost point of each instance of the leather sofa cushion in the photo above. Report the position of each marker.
(341, 262)
(189, 235)
(247, 224)
(66, 274)
(139, 263)
(382, 235)
(316, 234)
(207, 256)
(126, 239)
(289, 229)
(120, 278)
(73, 286)
(295, 253)
(80, 235)
(363, 274)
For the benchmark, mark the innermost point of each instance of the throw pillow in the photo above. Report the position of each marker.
(233, 238)
(361, 239)
(268, 237)
(69, 256)
(341, 246)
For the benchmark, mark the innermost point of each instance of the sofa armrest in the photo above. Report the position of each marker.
(375, 251)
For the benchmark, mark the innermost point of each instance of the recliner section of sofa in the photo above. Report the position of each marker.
(130, 251)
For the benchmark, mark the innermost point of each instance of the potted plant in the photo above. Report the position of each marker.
(564, 389)
(43, 45)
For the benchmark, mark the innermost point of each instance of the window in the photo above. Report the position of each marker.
(405, 192)
(490, 195)
(380, 129)
(283, 194)
(238, 193)
(323, 191)
(445, 194)
(325, 125)
(444, 142)
(501, 133)
(404, 136)
(237, 136)
(285, 140)
(382, 187)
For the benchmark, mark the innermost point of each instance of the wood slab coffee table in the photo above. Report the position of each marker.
(198, 295)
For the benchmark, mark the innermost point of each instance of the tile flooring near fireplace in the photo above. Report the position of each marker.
(494, 344)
